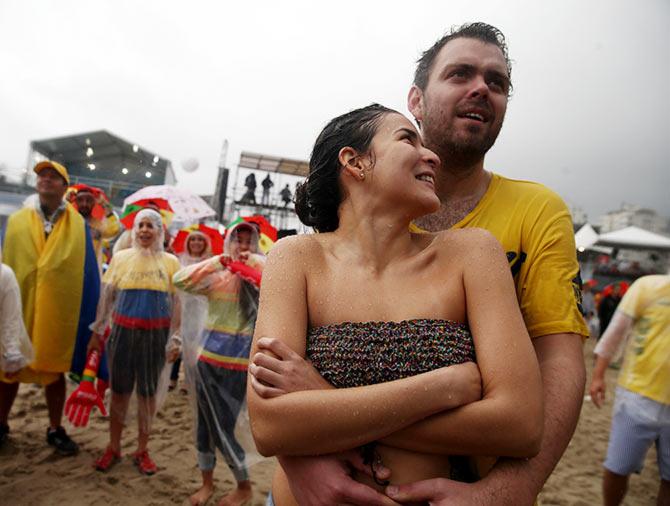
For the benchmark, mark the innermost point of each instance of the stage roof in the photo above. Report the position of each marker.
(268, 163)
(109, 154)
(107, 161)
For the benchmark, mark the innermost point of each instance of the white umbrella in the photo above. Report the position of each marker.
(187, 206)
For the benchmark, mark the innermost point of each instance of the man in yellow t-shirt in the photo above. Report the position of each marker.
(642, 402)
(459, 99)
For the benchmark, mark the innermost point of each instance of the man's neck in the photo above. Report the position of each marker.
(49, 206)
(460, 189)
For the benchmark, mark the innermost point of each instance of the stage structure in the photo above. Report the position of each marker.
(105, 160)
(255, 195)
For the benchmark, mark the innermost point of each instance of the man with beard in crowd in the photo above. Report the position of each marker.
(459, 99)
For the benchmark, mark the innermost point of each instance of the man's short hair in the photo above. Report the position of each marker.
(479, 31)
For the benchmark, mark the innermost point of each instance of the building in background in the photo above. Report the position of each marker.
(579, 216)
(634, 216)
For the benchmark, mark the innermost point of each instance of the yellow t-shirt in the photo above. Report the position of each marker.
(133, 269)
(535, 228)
(646, 367)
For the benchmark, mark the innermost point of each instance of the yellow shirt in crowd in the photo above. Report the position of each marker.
(646, 367)
(535, 229)
(135, 269)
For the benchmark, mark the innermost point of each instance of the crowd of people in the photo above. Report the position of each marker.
(428, 274)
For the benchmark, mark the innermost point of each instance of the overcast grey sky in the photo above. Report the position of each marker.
(589, 116)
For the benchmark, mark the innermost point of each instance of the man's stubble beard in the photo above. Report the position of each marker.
(457, 155)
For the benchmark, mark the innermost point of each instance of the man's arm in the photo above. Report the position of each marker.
(518, 482)
(607, 347)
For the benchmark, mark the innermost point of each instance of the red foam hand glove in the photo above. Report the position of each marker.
(245, 272)
(80, 403)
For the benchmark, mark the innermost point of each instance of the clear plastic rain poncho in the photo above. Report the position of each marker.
(193, 307)
(16, 351)
(137, 301)
(217, 361)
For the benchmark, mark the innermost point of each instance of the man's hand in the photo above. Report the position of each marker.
(326, 480)
(597, 391)
(277, 370)
(439, 492)
(93, 343)
(172, 355)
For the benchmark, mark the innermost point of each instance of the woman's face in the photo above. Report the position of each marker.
(146, 233)
(404, 169)
(196, 245)
(242, 244)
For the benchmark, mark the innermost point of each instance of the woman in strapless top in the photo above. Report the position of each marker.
(417, 349)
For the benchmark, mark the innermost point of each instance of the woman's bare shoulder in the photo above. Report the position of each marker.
(297, 251)
(469, 244)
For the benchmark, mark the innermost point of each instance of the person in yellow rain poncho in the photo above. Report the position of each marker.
(49, 248)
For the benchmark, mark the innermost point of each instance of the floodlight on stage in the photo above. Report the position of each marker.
(156, 159)
(89, 151)
(136, 148)
(91, 166)
(124, 170)
(147, 173)
(88, 141)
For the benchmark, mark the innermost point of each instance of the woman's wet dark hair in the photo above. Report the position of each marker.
(318, 198)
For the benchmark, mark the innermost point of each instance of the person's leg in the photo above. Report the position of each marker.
(663, 458)
(8, 393)
(117, 417)
(614, 488)
(630, 439)
(231, 389)
(56, 435)
(55, 395)
(202, 495)
(663, 498)
(204, 441)
(122, 379)
(174, 373)
(146, 409)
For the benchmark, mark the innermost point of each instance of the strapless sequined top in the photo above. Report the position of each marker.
(356, 354)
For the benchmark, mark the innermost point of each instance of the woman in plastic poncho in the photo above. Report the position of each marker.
(16, 352)
(193, 307)
(137, 296)
(220, 372)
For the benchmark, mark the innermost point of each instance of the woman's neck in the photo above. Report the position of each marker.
(375, 239)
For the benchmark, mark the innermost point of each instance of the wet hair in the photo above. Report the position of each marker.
(479, 31)
(318, 198)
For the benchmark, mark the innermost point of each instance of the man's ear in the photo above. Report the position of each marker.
(352, 163)
(415, 103)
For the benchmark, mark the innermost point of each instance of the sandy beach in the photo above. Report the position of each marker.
(31, 474)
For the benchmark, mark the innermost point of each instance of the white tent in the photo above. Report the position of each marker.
(634, 238)
(586, 238)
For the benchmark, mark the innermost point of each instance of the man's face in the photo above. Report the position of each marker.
(463, 106)
(85, 202)
(50, 184)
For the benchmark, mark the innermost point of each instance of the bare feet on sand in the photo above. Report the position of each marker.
(201, 497)
(239, 497)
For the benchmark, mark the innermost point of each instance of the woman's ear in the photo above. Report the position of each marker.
(352, 163)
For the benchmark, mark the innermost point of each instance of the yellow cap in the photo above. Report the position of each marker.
(48, 164)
